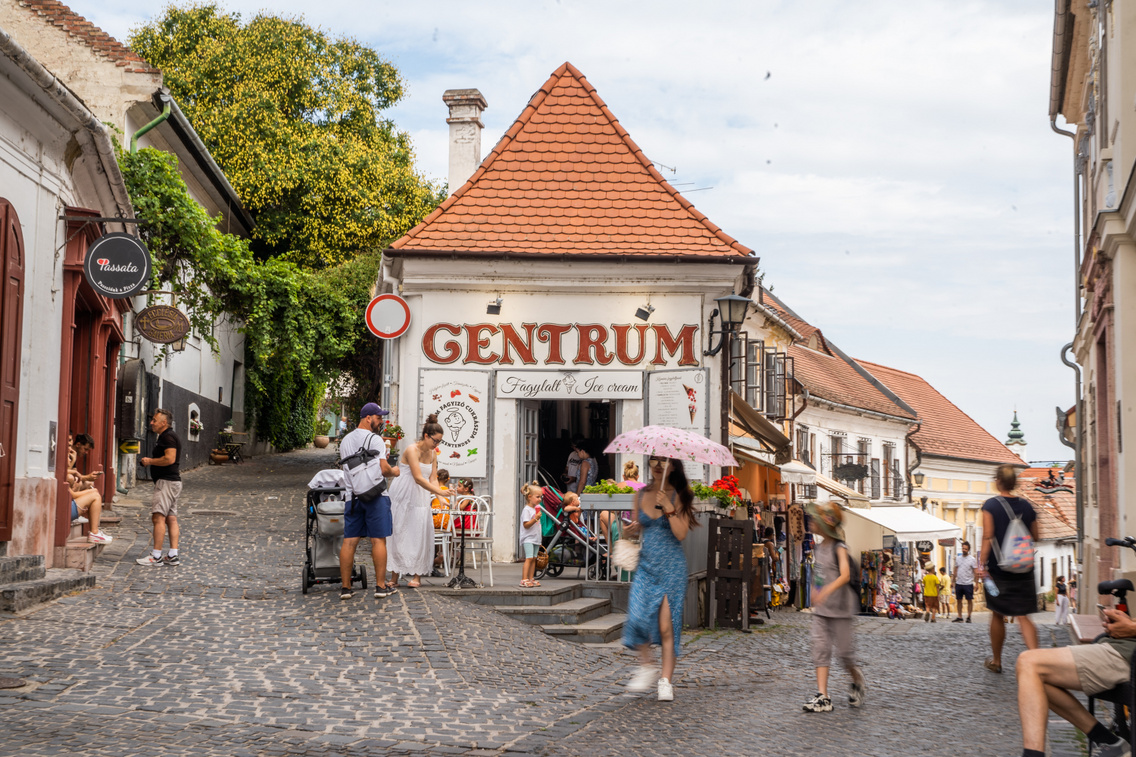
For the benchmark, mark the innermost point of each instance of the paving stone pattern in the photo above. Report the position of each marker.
(225, 656)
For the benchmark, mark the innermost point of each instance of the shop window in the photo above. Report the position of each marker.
(875, 478)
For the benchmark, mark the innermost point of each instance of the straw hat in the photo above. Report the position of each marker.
(825, 519)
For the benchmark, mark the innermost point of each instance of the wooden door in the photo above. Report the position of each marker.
(11, 334)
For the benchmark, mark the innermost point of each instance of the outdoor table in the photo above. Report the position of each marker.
(231, 447)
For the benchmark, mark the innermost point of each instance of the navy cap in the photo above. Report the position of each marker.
(372, 409)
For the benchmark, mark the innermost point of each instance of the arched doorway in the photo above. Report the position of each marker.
(11, 336)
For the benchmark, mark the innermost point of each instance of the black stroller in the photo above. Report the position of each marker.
(569, 544)
(323, 536)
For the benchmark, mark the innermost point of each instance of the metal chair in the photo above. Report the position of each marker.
(444, 536)
(478, 537)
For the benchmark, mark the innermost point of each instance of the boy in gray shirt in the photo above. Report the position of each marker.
(833, 606)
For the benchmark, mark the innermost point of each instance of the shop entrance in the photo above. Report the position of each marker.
(561, 422)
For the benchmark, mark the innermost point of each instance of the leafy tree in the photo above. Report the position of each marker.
(299, 325)
(294, 118)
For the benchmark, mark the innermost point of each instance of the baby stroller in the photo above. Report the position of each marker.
(568, 544)
(323, 532)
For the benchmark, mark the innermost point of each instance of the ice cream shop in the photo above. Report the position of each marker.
(562, 294)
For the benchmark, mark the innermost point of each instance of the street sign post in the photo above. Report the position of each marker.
(388, 316)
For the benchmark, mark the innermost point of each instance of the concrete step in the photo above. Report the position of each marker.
(544, 596)
(109, 518)
(56, 583)
(78, 554)
(598, 631)
(572, 612)
(22, 568)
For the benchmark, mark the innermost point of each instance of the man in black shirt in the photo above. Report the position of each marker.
(165, 471)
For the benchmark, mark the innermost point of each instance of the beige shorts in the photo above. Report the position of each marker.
(829, 636)
(1099, 667)
(165, 501)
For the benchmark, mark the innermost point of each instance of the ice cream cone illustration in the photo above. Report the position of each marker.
(692, 395)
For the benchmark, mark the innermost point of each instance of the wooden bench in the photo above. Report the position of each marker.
(1084, 629)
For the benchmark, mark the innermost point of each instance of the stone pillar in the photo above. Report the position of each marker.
(465, 106)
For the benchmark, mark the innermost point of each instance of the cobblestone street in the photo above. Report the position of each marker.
(225, 656)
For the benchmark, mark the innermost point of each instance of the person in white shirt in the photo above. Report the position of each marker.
(366, 518)
(965, 565)
(530, 533)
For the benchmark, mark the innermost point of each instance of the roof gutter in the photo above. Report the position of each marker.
(861, 410)
(621, 257)
(91, 130)
(1062, 47)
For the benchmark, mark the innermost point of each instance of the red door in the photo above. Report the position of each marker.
(11, 334)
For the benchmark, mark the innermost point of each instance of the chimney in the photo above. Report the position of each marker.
(465, 133)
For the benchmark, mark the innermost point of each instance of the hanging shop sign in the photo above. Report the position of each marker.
(117, 266)
(162, 324)
(570, 385)
(388, 316)
(924, 546)
(460, 399)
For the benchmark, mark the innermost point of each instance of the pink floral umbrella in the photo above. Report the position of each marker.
(664, 441)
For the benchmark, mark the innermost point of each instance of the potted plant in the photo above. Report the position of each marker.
(393, 433)
(724, 493)
(323, 427)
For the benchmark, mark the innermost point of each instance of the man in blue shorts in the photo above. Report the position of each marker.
(366, 518)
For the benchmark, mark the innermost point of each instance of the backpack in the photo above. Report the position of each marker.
(1016, 553)
(854, 576)
(364, 471)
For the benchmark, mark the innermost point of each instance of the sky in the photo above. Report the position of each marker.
(892, 164)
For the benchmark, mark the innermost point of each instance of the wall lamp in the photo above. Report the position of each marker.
(733, 309)
(918, 479)
(494, 308)
(179, 345)
(644, 313)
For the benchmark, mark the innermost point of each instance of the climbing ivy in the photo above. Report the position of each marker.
(298, 325)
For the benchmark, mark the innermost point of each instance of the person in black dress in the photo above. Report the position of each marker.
(1017, 592)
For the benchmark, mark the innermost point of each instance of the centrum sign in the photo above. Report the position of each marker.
(117, 266)
(570, 385)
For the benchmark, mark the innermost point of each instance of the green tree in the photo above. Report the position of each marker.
(294, 118)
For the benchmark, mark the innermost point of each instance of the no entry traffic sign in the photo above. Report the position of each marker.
(388, 316)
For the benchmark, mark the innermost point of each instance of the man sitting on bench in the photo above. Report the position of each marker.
(1046, 676)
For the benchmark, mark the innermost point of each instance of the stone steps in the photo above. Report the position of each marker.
(598, 631)
(572, 612)
(56, 583)
(23, 568)
(79, 554)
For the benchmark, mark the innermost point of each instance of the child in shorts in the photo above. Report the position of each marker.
(530, 532)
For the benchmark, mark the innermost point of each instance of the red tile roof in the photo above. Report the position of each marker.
(833, 378)
(567, 179)
(805, 329)
(1056, 508)
(59, 15)
(945, 430)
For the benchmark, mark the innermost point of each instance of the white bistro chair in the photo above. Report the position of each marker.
(444, 536)
(478, 537)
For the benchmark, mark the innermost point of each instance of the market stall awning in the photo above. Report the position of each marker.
(756, 424)
(796, 472)
(909, 523)
(840, 490)
(750, 449)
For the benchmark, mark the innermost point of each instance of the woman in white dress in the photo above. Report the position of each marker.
(410, 549)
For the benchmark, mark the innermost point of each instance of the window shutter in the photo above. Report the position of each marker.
(875, 478)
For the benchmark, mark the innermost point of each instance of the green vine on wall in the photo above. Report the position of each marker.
(298, 325)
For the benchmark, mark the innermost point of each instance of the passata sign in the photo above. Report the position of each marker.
(162, 324)
(388, 316)
(117, 266)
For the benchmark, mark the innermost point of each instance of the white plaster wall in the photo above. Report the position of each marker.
(457, 292)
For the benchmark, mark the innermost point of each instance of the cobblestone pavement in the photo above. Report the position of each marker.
(225, 656)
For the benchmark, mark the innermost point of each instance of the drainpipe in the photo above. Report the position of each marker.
(1076, 224)
(1077, 447)
(166, 101)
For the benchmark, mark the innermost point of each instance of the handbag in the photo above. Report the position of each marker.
(541, 558)
(625, 555)
(364, 471)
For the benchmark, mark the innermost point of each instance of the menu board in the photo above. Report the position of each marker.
(680, 398)
(461, 401)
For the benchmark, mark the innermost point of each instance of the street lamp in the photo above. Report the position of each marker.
(918, 478)
(916, 481)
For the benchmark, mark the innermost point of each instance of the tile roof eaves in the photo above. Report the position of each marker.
(661, 257)
(1016, 462)
(845, 405)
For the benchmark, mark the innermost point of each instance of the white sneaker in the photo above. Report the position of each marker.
(97, 537)
(666, 691)
(149, 559)
(644, 678)
(80, 520)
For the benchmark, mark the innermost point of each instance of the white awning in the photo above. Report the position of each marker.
(909, 523)
(796, 472)
(840, 490)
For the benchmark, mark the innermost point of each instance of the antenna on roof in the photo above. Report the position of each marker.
(660, 165)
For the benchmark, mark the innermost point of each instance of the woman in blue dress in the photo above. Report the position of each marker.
(664, 514)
